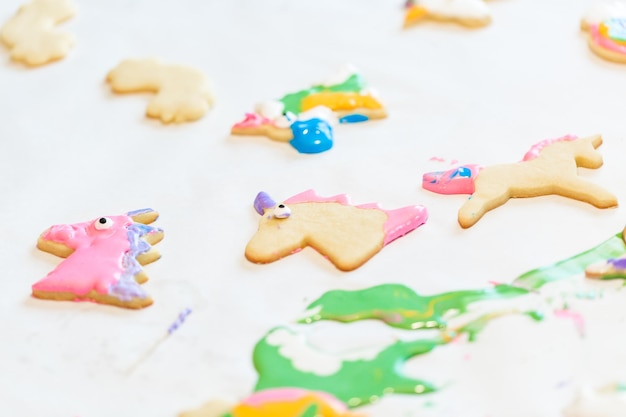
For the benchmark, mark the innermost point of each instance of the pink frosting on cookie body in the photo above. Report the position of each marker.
(96, 263)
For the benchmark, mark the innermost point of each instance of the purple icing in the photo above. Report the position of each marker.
(140, 211)
(126, 288)
(619, 263)
(263, 201)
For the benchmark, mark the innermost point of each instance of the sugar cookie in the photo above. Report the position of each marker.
(470, 13)
(550, 167)
(31, 34)
(278, 402)
(104, 258)
(182, 93)
(605, 24)
(305, 118)
(347, 235)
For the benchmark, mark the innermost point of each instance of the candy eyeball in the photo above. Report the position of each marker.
(281, 211)
(103, 223)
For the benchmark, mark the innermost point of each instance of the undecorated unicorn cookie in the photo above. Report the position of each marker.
(182, 93)
(605, 23)
(471, 13)
(31, 34)
(549, 167)
(305, 118)
(277, 402)
(103, 259)
(347, 235)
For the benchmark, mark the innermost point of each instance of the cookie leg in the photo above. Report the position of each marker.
(582, 190)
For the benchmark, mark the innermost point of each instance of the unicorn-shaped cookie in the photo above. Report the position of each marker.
(182, 93)
(306, 117)
(104, 258)
(31, 34)
(277, 402)
(549, 167)
(348, 235)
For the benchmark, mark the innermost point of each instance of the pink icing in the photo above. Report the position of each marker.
(253, 120)
(291, 394)
(534, 151)
(96, 263)
(577, 318)
(399, 221)
(450, 182)
(605, 43)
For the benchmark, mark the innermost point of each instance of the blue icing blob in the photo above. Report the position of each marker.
(354, 118)
(312, 136)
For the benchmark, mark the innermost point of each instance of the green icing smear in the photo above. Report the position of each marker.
(352, 84)
(399, 306)
(536, 278)
(356, 381)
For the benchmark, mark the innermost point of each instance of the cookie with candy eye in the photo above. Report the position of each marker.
(306, 118)
(346, 234)
(104, 259)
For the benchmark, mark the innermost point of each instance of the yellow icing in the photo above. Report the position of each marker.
(414, 13)
(338, 101)
(603, 30)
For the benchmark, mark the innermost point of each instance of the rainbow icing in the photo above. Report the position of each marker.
(289, 402)
(610, 34)
(101, 259)
(311, 112)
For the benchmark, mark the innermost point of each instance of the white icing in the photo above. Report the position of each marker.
(472, 9)
(603, 10)
(283, 121)
(345, 72)
(293, 346)
(597, 403)
(271, 109)
(319, 112)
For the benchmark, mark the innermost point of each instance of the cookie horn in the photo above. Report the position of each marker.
(262, 202)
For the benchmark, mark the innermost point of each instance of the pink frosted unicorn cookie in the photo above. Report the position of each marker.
(605, 23)
(347, 235)
(549, 167)
(103, 259)
(277, 402)
(305, 118)
(470, 13)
